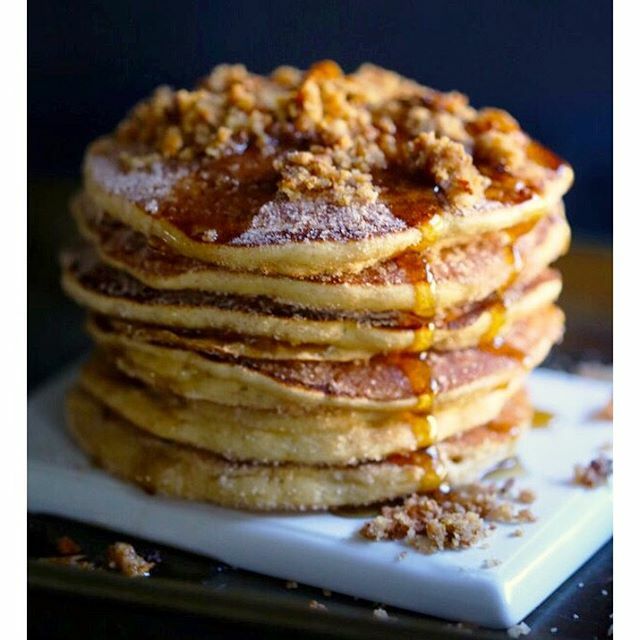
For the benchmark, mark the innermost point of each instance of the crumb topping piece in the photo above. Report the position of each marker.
(329, 132)
(381, 614)
(120, 557)
(321, 171)
(499, 140)
(67, 546)
(595, 474)
(456, 519)
(520, 629)
(526, 496)
(123, 557)
(449, 165)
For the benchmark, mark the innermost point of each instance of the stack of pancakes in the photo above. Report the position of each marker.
(311, 289)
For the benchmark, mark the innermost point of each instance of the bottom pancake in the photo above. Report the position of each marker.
(178, 470)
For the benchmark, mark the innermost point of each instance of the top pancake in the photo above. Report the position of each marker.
(424, 283)
(317, 172)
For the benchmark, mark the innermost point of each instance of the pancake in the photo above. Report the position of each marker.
(458, 333)
(458, 275)
(326, 173)
(111, 292)
(290, 432)
(416, 382)
(168, 468)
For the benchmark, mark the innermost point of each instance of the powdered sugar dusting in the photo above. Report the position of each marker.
(210, 235)
(279, 222)
(145, 186)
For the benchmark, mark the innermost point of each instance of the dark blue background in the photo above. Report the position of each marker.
(549, 62)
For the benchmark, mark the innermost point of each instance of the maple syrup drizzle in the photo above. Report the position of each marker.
(431, 232)
(412, 199)
(541, 419)
(218, 199)
(418, 272)
(513, 255)
(418, 372)
(429, 461)
(423, 337)
(425, 304)
(424, 427)
(417, 269)
(500, 347)
(492, 340)
(498, 312)
(513, 259)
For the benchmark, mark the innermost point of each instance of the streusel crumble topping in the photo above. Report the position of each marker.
(328, 133)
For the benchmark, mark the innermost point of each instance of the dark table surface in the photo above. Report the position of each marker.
(190, 596)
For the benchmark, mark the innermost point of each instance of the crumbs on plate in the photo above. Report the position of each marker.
(595, 474)
(123, 557)
(454, 519)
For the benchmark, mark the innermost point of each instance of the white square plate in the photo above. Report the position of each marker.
(324, 550)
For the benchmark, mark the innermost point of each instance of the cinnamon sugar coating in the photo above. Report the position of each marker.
(327, 133)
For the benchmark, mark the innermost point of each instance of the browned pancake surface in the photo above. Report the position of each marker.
(399, 376)
(105, 280)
